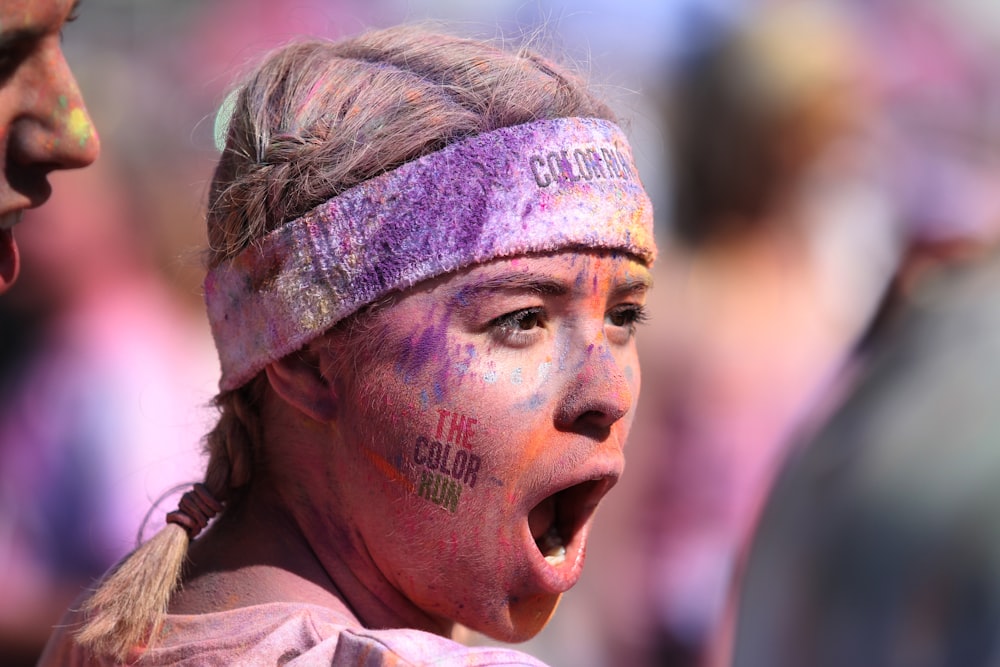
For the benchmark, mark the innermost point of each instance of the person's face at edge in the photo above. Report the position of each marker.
(482, 425)
(44, 125)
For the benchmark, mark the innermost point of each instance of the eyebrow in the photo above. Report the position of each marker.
(539, 284)
(514, 282)
(632, 286)
(20, 37)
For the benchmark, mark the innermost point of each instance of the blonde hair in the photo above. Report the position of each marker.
(316, 118)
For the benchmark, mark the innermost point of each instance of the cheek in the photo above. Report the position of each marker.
(431, 452)
(632, 372)
(451, 423)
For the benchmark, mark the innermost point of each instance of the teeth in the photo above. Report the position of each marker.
(558, 557)
(8, 220)
(551, 546)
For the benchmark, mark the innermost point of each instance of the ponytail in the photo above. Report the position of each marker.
(127, 611)
(125, 614)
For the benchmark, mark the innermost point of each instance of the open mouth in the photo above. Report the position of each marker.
(557, 523)
(9, 261)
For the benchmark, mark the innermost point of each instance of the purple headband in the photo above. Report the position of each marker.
(539, 187)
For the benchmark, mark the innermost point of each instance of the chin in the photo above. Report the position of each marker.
(524, 618)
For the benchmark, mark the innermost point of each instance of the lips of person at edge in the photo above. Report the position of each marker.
(9, 259)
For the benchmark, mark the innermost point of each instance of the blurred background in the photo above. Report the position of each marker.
(810, 163)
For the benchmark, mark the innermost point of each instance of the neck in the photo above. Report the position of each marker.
(252, 555)
(340, 550)
(267, 550)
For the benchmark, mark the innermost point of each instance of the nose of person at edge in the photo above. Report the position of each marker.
(44, 124)
(511, 386)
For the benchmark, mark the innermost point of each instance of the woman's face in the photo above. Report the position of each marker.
(482, 424)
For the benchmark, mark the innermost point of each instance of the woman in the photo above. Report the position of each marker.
(428, 257)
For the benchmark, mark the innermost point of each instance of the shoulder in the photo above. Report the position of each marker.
(417, 648)
(305, 634)
(290, 634)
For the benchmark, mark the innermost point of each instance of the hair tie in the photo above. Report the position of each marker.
(196, 508)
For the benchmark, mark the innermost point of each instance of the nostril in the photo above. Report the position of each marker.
(595, 425)
(603, 418)
(586, 410)
(45, 145)
(595, 397)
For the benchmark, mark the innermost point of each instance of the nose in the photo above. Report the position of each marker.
(55, 130)
(598, 395)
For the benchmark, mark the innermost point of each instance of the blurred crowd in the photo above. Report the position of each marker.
(814, 167)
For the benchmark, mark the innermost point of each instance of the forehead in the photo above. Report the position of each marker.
(33, 15)
(565, 273)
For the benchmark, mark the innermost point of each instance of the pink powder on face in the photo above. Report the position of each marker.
(538, 187)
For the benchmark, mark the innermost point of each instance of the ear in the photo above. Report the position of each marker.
(297, 378)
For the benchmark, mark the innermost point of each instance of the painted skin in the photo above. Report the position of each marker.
(540, 352)
(44, 125)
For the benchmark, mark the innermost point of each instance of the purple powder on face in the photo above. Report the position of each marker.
(539, 187)
(421, 350)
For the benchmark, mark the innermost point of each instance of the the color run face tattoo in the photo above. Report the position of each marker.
(43, 123)
(482, 422)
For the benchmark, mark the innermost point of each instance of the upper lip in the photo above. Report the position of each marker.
(605, 467)
(14, 199)
(27, 187)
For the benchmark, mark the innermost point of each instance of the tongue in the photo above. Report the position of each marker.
(541, 518)
(9, 260)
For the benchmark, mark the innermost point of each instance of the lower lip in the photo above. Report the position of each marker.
(560, 578)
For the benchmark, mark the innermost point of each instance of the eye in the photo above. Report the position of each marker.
(627, 317)
(517, 327)
(74, 14)
(8, 63)
(13, 52)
